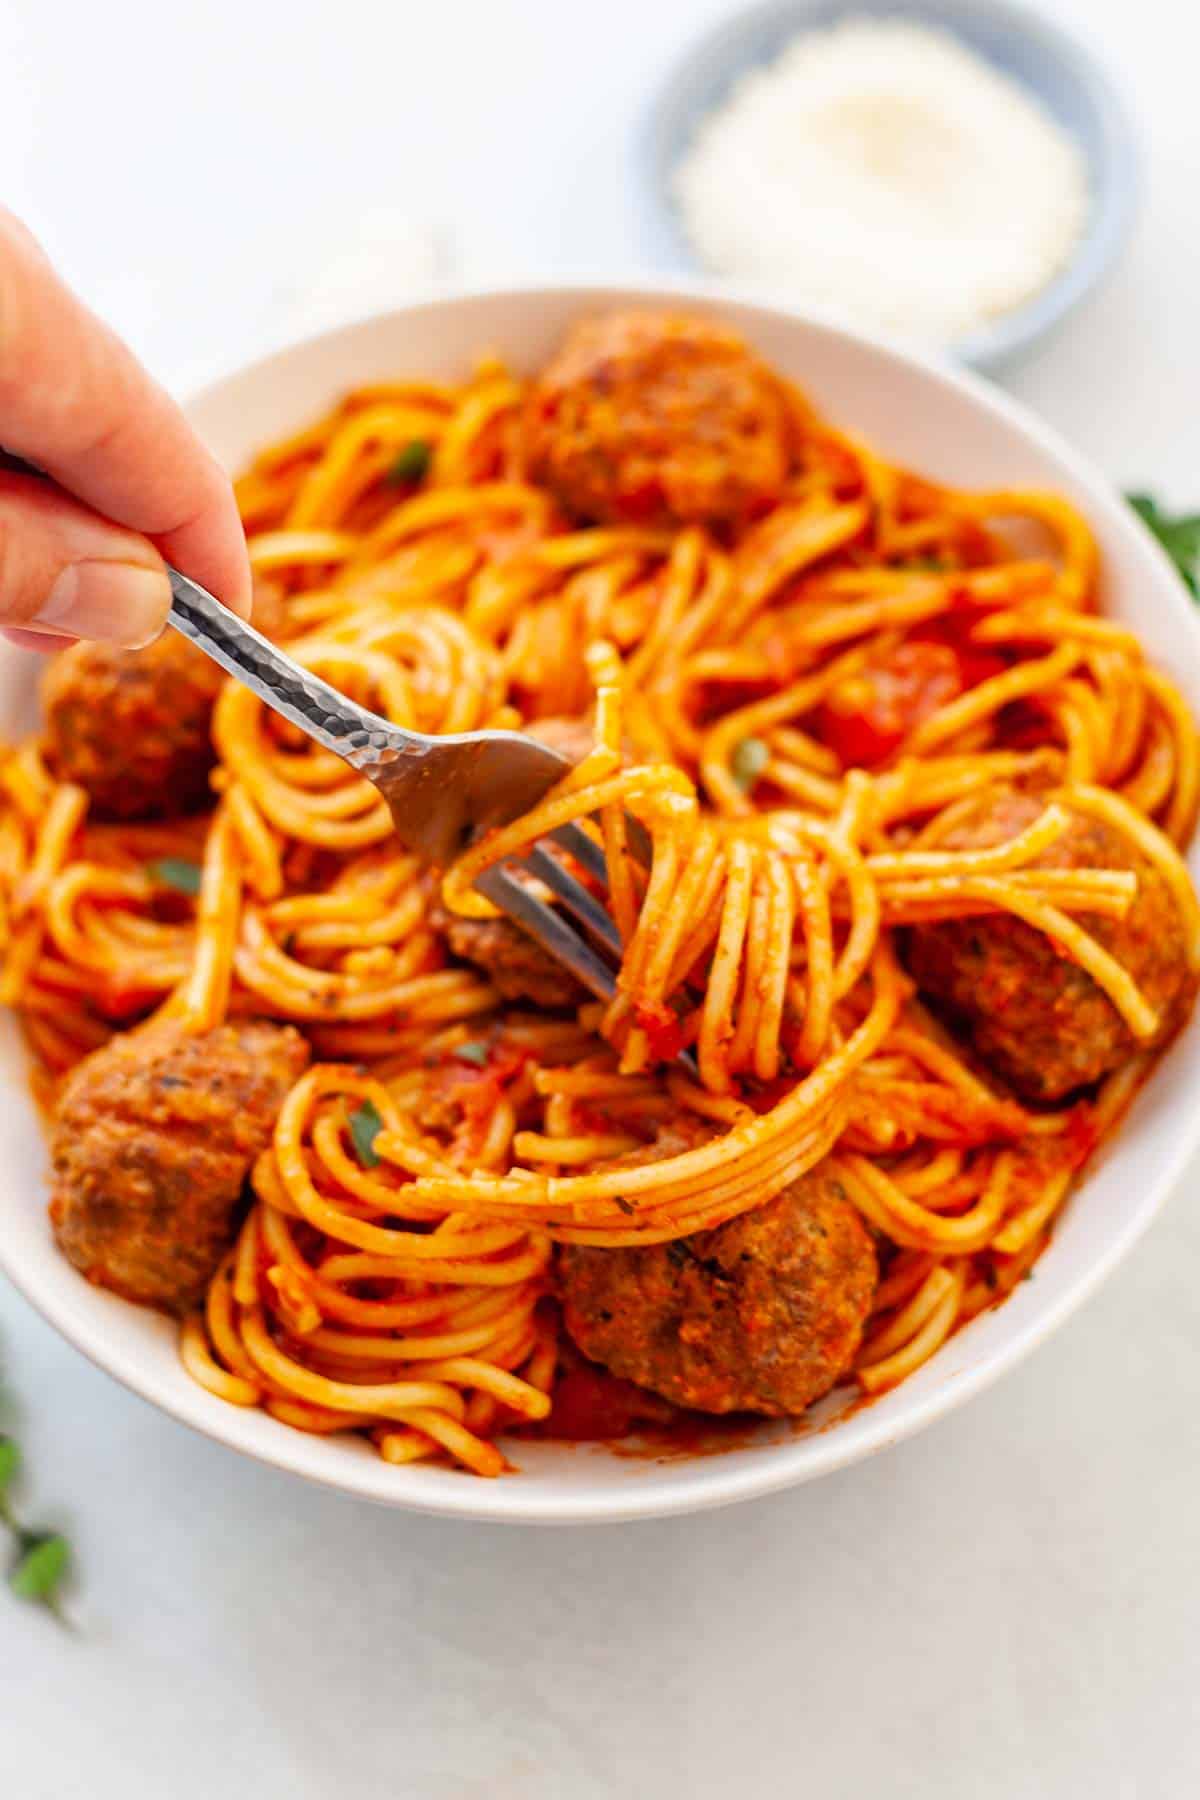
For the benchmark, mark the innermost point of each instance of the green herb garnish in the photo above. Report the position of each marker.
(365, 1127)
(932, 565)
(175, 872)
(410, 464)
(1179, 535)
(748, 761)
(41, 1564)
(40, 1559)
(472, 1053)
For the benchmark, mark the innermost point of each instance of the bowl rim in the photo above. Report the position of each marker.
(1114, 160)
(716, 1481)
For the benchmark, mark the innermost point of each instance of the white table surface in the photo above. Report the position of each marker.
(1006, 1606)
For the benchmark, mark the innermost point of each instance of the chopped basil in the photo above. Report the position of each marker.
(472, 1053)
(175, 872)
(10, 1462)
(748, 761)
(410, 464)
(365, 1126)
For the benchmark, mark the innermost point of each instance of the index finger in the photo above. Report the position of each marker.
(76, 401)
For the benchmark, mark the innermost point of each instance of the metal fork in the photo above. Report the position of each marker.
(439, 790)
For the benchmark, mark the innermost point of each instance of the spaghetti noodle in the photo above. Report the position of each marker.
(803, 816)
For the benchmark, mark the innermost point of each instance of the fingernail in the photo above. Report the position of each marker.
(119, 603)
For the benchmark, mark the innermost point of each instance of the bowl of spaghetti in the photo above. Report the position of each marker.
(878, 708)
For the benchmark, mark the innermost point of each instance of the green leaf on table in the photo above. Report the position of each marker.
(365, 1127)
(40, 1568)
(39, 1559)
(175, 872)
(1178, 533)
(748, 761)
(410, 464)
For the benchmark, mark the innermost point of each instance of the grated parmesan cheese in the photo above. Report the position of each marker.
(883, 171)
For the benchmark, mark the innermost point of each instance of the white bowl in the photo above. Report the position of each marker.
(938, 420)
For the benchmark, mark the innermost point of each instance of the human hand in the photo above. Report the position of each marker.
(82, 555)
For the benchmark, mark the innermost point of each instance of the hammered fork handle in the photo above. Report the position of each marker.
(336, 723)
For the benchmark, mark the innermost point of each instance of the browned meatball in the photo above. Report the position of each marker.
(133, 726)
(153, 1139)
(644, 418)
(518, 968)
(1032, 1013)
(760, 1315)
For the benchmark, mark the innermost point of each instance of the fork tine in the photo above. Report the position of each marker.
(639, 840)
(549, 929)
(575, 898)
(588, 853)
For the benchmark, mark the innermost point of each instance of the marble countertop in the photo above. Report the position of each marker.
(1005, 1606)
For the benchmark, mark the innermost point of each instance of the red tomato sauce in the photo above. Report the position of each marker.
(589, 1403)
(665, 1036)
(868, 716)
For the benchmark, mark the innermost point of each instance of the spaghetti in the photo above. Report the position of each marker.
(799, 711)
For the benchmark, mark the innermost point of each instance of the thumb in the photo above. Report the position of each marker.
(67, 573)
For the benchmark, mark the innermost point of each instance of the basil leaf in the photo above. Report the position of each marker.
(410, 464)
(1179, 535)
(472, 1053)
(748, 761)
(365, 1127)
(41, 1568)
(175, 872)
(10, 1462)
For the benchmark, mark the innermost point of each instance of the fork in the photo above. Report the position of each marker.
(440, 791)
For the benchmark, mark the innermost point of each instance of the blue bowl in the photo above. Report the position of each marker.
(1062, 75)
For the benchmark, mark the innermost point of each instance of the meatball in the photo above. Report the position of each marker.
(1030, 1012)
(762, 1314)
(518, 968)
(153, 1139)
(132, 726)
(643, 418)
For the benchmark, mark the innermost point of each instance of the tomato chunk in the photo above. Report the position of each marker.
(976, 662)
(664, 1034)
(866, 717)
